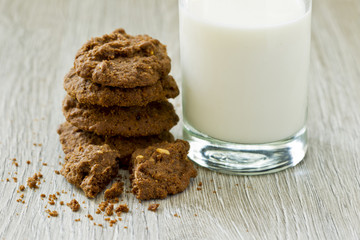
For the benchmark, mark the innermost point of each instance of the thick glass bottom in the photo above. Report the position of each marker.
(245, 159)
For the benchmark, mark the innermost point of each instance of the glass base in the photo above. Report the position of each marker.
(245, 159)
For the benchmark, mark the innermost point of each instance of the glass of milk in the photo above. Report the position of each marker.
(245, 82)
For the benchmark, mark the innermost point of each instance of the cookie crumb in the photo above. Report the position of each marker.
(109, 210)
(176, 215)
(153, 207)
(74, 205)
(122, 208)
(33, 181)
(52, 213)
(52, 197)
(57, 172)
(14, 162)
(103, 205)
(22, 188)
(61, 203)
(28, 162)
(43, 195)
(98, 211)
(200, 184)
(90, 217)
(112, 222)
(77, 220)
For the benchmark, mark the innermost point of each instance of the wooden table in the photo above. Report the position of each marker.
(318, 199)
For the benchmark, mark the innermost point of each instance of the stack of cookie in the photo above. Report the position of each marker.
(116, 103)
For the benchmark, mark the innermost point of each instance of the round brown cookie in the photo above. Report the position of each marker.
(161, 169)
(72, 137)
(152, 119)
(85, 91)
(121, 60)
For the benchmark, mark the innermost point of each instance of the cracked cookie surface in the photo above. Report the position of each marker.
(122, 60)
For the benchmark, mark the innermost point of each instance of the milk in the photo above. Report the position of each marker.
(244, 68)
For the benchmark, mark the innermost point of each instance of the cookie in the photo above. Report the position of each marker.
(121, 60)
(152, 119)
(90, 168)
(85, 91)
(161, 170)
(72, 137)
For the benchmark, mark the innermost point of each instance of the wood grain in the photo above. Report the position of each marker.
(318, 199)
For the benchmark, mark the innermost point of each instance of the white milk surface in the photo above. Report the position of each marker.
(244, 68)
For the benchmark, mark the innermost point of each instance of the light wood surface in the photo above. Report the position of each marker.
(318, 199)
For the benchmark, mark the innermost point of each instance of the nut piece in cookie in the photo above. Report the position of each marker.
(161, 169)
(86, 91)
(121, 60)
(90, 168)
(72, 137)
(152, 119)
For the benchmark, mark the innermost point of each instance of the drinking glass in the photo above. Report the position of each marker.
(244, 66)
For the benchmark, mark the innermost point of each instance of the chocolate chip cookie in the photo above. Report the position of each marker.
(90, 168)
(121, 60)
(161, 170)
(86, 91)
(152, 119)
(72, 137)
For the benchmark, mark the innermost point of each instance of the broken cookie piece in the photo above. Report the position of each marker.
(116, 189)
(91, 168)
(161, 169)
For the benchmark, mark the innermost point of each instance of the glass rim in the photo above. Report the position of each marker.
(308, 10)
